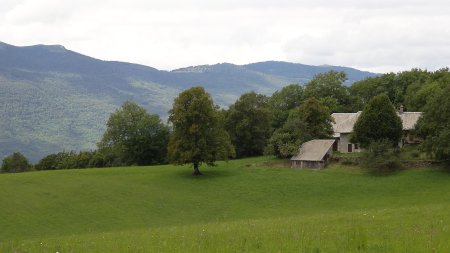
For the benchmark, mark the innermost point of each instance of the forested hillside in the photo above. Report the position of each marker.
(54, 99)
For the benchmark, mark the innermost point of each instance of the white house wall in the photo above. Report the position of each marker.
(344, 140)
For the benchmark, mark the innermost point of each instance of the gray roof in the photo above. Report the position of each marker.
(409, 119)
(313, 150)
(344, 122)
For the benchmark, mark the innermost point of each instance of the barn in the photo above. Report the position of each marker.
(314, 154)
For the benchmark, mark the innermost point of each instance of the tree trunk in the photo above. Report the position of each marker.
(196, 170)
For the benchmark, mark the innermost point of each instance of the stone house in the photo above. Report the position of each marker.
(343, 128)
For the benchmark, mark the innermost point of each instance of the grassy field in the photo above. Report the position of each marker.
(248, 205)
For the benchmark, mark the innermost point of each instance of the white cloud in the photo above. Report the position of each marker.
(373, 35)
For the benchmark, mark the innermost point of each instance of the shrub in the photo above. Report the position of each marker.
(415, 154)
(381, 157)
(349, 161)
(15, 163)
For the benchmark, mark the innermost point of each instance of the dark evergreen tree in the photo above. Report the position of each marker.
(378, 121)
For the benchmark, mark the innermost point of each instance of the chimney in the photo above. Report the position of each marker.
(401, 110)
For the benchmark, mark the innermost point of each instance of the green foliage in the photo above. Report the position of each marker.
(418, 92)
(284, 100)
(72, 160)
(378, 121)
(434, 125)
(310, 121)
(330, 89)
(198, 135)
(135, 136)
(248, 123)
(15, 163)
(408, 88)
(380, 157)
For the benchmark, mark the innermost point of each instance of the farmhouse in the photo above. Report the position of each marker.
(343, 128)
(314, 154)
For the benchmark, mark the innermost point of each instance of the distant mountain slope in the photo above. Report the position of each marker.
(301, 73)
(52, 98)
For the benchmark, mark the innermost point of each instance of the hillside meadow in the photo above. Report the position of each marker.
(247, 205)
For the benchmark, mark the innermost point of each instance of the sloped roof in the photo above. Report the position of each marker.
(409, 119)
(344, 122)
(313, 150)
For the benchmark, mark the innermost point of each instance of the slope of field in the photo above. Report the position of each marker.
(247, 205)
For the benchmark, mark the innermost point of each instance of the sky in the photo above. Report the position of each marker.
(373, 35)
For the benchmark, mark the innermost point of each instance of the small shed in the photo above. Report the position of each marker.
(313, 154)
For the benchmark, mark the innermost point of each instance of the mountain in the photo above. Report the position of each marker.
(54, 99)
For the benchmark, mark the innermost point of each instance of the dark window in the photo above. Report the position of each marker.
(356, 146)
(350, 148)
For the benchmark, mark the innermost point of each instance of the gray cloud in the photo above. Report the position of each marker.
(374, 35)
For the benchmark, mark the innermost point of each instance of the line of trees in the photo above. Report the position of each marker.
(200, 132)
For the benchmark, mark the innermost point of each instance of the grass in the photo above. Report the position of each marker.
(248, 205)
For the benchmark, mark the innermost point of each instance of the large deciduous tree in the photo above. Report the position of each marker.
(134, 136)
(310, 121)
(434, 125)
(198, 134)
(378, 121)
(248, 123)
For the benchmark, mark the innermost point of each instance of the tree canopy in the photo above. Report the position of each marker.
(378, 121)
(310, 121)
(329, 88)
(134, 136)
(198, 134)
(434, 125)
(284, 100)
(248, 123)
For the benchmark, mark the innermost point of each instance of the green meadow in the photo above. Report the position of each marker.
(247, 205)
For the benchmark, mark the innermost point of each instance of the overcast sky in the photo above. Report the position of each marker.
(374, 35)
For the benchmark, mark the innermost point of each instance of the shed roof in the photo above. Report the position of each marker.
(313, 150)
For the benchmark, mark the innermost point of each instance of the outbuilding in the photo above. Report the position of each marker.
(314, 154)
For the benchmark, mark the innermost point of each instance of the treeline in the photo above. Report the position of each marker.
(257, 124)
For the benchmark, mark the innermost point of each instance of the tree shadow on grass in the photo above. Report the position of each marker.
(209, 173)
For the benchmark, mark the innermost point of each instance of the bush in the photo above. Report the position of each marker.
(349, 161)
(415, 154)
(381, 157)
(70, 160)
(15, 163)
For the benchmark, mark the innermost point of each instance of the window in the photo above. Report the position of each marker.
(356, 146)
